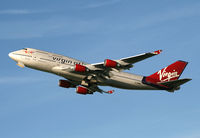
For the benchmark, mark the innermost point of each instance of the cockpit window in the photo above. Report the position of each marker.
(25, 48)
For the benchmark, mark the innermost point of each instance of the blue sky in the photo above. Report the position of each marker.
(31, 103)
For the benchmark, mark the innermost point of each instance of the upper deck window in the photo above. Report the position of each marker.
(25, 48)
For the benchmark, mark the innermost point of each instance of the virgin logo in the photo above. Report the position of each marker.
(163, 74)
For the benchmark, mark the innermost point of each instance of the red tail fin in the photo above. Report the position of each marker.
(169, 73)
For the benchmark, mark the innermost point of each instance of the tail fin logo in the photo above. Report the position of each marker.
(169, 73)
(167, 76)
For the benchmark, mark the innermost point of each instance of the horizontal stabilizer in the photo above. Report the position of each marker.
(174, 83)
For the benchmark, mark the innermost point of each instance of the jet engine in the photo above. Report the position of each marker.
(111, 63)
(82, 90)
(65, 84)
(80, 68)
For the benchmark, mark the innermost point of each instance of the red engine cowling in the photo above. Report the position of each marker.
(80, 68)
(64, 84)
(110, 63)
(82, 90)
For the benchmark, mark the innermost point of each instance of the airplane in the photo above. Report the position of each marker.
(87, 77)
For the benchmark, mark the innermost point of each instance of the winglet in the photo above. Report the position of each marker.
(157, 52)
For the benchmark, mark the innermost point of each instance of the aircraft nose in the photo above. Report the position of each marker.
(11, 55)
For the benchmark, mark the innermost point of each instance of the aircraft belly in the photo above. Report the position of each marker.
(127, 81)
(70, 75)
(73, 76)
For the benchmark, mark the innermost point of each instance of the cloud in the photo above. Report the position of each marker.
(20, 11)
(156, 18)
(54, 26)
(16, 12)
(188, 134)
(102, 3)
(60, 25)
(11, 80)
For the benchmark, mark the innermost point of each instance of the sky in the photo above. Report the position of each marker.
(33, 106)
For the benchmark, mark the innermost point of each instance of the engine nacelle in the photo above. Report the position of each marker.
(80, 68)
(111, 63)
(65, 84)
(82, 90)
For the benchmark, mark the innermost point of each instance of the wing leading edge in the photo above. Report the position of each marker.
(127, 62)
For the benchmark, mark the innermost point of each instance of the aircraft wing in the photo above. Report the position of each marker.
(127, 62)
(100, 71)
(140, 57)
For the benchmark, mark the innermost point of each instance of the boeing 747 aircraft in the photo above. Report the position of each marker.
(86, 77)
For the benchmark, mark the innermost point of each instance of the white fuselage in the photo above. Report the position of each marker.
(53, 63)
